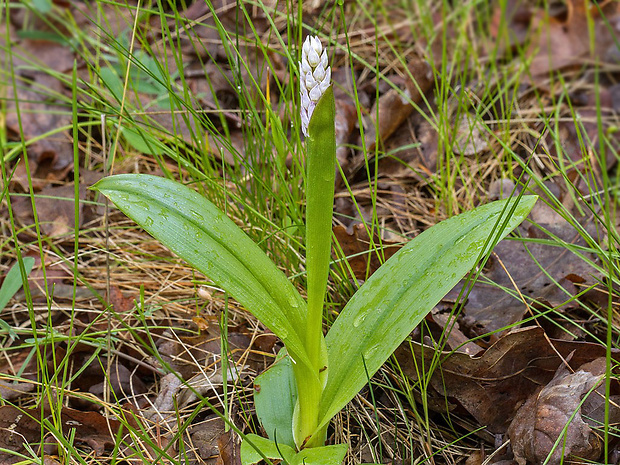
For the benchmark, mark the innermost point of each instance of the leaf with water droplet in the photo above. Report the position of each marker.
(229, 257)
(401, 292)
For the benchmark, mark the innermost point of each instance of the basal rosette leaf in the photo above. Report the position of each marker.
(198, 232)
(401, 292)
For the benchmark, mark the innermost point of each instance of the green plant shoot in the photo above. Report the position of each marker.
(317, 375)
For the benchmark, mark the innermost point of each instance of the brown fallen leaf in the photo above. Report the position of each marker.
(523, 264)
(41, 106)
(23, 426)
(57, 277)
(565, 41)
(229, 447)
(549, 427)
(177, 393)
(492, 385)
(392, 108)
(55, 210)
(346, 117)
(357, 248)
(471, 136)
(204, 439)
(10, 390)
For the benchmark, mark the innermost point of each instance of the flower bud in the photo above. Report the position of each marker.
(314, 78)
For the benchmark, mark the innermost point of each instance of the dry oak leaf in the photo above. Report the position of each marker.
(393, 107)
(565, 42)
(19, 427)
(549, 427)
(491, 385)
(534, 267)
(357, 248)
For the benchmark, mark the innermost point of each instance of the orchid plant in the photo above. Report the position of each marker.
(314, 376)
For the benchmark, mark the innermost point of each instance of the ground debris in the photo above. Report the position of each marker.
(21, 427)
(492, 385)
(551, 426)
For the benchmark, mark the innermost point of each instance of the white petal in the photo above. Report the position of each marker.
(319, 73)
(310, 82)
(311, 109)
(306, 47)
(315, 93)
(313, 58)
(305, 68)
(324, 59)
(315, 43)
(305, 100)
(327, 80)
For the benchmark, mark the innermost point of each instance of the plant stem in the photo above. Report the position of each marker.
(321, 160)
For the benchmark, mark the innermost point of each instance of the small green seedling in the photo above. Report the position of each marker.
(11, 284)
(315, 376)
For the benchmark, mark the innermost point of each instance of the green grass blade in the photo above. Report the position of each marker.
(399, 295)
(198, 232)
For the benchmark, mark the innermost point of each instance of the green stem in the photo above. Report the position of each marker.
(320, 179)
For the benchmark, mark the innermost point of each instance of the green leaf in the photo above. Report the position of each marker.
(321, 166)
(325, 455)
(13, 281)
(271, 450)
(112, 81)
(275, 395)
(401, 292)
(43, 6)
(198, 232)
(142, 141)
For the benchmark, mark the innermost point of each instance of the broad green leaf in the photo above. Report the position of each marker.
(198, 232)
(271, 450)
(13, 281)
(401, 292)
(42, 6)
(275, 394)
(142, 141)
(325, 455)
(112, 81)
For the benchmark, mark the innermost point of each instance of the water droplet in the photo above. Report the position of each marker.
(143, 204)
(368, 353)
(148, 221)
(197, 215)
(279, 331)
(359, 319)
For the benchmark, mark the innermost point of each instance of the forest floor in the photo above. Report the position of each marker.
(112, 351)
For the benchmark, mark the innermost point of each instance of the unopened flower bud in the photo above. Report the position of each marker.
(315, 77)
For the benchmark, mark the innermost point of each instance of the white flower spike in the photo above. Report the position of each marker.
(315, 77)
